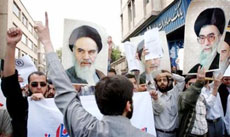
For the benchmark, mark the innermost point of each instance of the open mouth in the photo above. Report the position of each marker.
(86, 63)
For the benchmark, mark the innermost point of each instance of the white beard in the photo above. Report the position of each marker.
(86, 73)
(207, 58)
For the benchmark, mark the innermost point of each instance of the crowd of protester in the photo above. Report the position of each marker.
(184, 106)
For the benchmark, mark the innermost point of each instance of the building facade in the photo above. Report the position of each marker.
(137, 16)
(14, 14)
(121, 66)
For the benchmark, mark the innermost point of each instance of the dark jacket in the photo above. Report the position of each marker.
(16, 104)
(186, 107)
(223, 91)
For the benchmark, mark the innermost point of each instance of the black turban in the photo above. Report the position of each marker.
(227, 38)
(212, 16)
(85, 31)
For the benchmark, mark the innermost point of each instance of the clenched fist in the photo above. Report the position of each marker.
(14, 35)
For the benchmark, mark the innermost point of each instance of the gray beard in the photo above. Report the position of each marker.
(86, 73)
(207, 58)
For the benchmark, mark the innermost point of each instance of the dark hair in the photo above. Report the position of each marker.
(2, 64)
(36, 73)
(112, 94)
(189, 77)
(130, 76)
(227, 38)
(211, 16)
(49, 81)
(112, 70)
(85, 31)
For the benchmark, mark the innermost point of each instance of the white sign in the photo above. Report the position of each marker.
(153, 44)
(130, 54)
(45, 120)
(25, 66)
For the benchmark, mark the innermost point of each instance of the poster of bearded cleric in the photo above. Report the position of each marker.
(85, 52)
(152, 50)
(205, 26)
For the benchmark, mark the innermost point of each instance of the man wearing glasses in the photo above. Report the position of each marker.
(209, 27)
(37, 85)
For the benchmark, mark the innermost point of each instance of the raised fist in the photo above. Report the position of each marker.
(14, 35)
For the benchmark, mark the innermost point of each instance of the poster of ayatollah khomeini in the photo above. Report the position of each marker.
(84, 52)
(205, 26)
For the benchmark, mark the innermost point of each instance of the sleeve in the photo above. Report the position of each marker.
(209, 97)
(77, 120)
(5, 123)
(180, 82)
(17, 105)
(157, 106)
(188, 98)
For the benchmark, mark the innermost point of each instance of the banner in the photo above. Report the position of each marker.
(45, 119)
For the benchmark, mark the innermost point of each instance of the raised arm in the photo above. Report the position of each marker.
(44, 34)
(76, 119)
(14, 35)
(17, 105)
(188, 98)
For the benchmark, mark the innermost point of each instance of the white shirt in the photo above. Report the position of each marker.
(2, 97)
(213, 103)
(166, 109)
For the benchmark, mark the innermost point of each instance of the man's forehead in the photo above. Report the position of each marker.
(226, 77)
(225, 46)
(86, 43)
(209, 29)
(36, 76)
(161, 77)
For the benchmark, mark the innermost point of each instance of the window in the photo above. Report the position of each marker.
(15, 25)
(129, 15)
(23, 54)
(129, 11)
(35, 62)
(133, 8)
(16, 10)
(35, 49)
(122, 24)
(17, 53)
(30, 27)
(24, 39)
(30, 44)
(24, 20)
(147, 1)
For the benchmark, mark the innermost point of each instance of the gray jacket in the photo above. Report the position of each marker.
(78, 122)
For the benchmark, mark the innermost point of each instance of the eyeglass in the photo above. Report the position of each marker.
(210, 37)
(35, 84)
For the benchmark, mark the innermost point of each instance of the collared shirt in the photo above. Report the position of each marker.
(213, 103)
(200, 126)
(166, 109)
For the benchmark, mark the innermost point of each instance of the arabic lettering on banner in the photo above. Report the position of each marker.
(171, 19)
